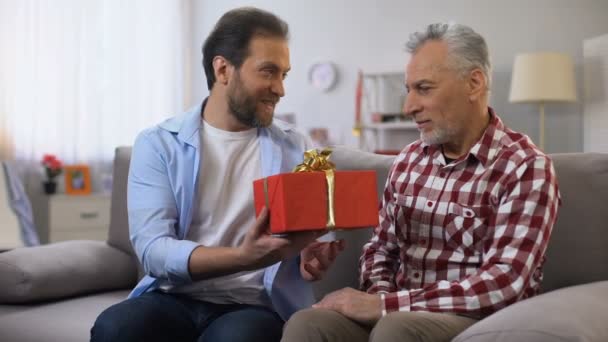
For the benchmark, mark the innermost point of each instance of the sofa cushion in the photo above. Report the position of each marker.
(576, 313)
(67, 320)
(577, 252)
(63, 269)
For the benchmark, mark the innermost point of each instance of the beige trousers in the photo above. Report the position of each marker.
(320, 325)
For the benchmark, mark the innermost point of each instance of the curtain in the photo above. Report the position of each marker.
(79, 78)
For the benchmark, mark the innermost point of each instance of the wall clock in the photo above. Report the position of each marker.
(323, 76)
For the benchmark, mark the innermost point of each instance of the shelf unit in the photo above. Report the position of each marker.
(384, 92)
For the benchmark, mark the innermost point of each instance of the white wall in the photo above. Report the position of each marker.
(370, 35)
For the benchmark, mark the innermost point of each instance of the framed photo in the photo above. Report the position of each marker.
(77, 180)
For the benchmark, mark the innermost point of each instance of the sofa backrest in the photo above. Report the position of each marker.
(578, 249)
(344, 272)
(118, 235)
(577, 252)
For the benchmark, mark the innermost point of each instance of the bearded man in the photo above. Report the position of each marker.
(210, 267)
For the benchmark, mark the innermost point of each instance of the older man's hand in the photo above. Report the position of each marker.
(359, 306)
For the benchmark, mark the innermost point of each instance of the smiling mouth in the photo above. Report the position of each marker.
(269, 103)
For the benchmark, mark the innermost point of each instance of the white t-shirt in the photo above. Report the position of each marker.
(224, 211)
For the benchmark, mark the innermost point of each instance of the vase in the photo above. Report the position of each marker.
(49, 187)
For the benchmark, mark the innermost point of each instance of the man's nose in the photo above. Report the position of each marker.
(411, 104)
(277, 87)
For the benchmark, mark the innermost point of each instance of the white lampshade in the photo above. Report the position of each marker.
(543, 77)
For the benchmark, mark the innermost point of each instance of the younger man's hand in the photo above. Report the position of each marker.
(317, 257)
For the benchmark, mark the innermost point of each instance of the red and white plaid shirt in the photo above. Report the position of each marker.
(468, 237)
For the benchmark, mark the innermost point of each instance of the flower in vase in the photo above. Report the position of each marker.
(52, 166)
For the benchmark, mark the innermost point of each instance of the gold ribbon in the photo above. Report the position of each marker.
(266, 199)
(319, 161)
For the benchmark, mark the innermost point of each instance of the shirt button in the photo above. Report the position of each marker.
(429, 204)
(442, 175)
(423, 242)
(416, 275)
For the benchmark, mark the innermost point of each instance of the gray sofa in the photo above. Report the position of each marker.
(55, 292)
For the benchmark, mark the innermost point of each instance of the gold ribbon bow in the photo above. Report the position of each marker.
(319, 161)
(315, 161)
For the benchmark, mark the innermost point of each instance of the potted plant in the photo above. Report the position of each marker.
(52, 168)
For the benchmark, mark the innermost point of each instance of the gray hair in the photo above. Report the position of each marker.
(467, 50)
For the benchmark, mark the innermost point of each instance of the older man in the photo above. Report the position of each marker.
(466, 216)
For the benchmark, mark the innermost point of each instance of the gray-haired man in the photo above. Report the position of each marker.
(466, 215)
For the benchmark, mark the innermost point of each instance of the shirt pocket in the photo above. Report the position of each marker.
(466, 227)
(404, 211)
(413, 216)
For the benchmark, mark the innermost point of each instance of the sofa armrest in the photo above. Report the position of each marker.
(63, 269)
(576, 313)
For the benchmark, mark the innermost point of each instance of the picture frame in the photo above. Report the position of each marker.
(77, 180)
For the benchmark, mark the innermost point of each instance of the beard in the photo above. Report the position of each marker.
(243, 106)
(438, 136)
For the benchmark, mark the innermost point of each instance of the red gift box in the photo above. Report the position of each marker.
(299, 201)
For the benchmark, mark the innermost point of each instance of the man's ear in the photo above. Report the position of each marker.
(478, 84)
(222, 69)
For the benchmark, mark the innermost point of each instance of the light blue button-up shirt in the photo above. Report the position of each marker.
(163, 178)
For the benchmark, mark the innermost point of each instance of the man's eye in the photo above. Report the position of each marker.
(424, 90)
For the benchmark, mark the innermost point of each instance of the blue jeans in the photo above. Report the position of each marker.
(157, 316)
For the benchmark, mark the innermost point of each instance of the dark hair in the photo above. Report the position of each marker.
(231, 36)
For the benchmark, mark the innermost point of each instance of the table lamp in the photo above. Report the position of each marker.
(540, 78)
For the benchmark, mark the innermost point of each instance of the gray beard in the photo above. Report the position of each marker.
(438, 136)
